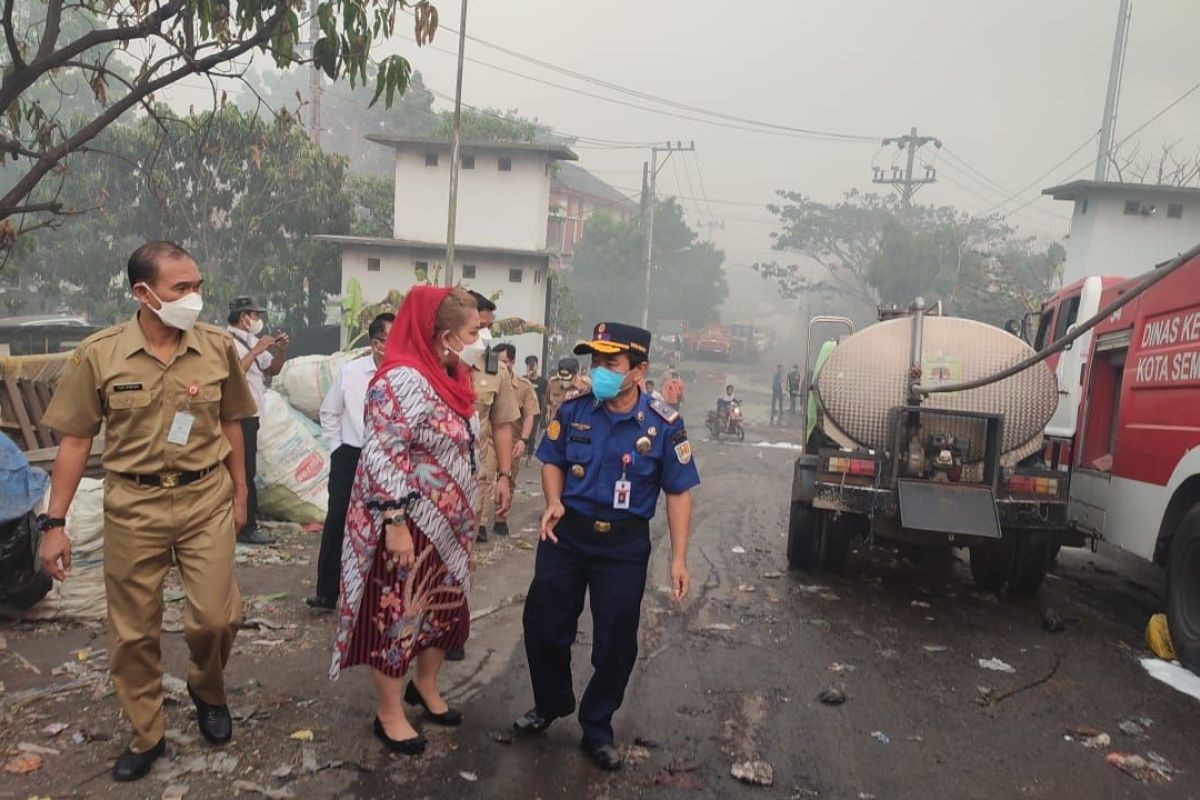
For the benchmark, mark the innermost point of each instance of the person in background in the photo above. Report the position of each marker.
(261, 356)
(673, 390)
(777, 395)
(567, 383)
(170, 394)
(654, 394)
(496, 404)
(794, 379)
(342, 427)
(606, 457)
(724, 402)
(527, 401)
(406, 564)
(540, 385)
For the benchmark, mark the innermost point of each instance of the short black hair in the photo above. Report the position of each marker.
(507, 347)
(481, 302)
(143, 264)
(649, 383)
(530, 360)
(635, 358)
(235, 316)
(375, 329)
(729, 386)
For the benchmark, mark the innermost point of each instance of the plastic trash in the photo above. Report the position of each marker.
(758, 773)
(996, 665)
(1173, 675)
(1158, 638)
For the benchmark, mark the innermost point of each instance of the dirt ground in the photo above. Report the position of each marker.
(733, 675)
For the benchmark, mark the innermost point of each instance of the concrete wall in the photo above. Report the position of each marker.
(1106, 241)
(397, 270)
(495, 209)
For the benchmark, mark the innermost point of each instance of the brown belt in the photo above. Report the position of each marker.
(166, 480)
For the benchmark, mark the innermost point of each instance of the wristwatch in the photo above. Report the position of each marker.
(45, 523)
(505, 475)
(396, 519)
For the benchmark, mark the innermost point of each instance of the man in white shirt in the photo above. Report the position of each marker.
(342, 413)
(261, 356)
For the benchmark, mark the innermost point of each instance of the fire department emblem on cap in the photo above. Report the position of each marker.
(600, 328)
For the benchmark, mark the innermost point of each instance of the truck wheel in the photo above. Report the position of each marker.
(804, 535)
(1183, 590)
(1029, 564)
(837, 534)
(991, 563)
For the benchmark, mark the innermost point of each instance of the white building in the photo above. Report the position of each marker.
(500, 239)
(1124, 229)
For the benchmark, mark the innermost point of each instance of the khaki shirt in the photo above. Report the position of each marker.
(526, 399)
(112, 379)
(495, 403)
(560, 392)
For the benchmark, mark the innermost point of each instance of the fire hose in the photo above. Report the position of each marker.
(1079, 330)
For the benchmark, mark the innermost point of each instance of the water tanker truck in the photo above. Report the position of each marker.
(960, 469)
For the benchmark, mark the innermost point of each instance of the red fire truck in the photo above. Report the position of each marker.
(1128, 429)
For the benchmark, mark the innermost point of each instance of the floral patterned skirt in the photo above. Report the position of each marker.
(406, 611)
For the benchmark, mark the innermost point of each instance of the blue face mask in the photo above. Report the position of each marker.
(606, 383)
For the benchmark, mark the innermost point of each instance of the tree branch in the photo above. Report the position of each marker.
(52, 28)
(14, 50)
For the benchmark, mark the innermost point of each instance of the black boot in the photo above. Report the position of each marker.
(131, 766)
(500, 528)
(482, 537)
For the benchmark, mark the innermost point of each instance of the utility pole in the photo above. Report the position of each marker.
(314, 81)
(455, 152)
(709, 225)
(649, 182)
(1116, 69)
(905, 182)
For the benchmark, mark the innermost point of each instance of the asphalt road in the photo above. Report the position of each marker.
(731, 676)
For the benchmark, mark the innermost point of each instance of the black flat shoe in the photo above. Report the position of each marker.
(604, 755)
(131, 766)
(450, 718)
(322, 603)
(482, 537)
(214, 721)
(409, 747)
(500, 529)
(535, 722)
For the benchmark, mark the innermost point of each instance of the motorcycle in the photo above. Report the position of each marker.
(727, 424)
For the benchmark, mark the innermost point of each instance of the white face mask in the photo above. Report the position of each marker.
(181, 313)
(256, 327)
(472, 354)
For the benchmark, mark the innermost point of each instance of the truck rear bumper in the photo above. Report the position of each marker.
(1017, 514)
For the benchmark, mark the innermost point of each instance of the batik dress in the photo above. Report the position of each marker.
(419, 455)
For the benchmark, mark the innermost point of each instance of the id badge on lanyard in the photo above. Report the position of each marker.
(623, 488)
(181, 423)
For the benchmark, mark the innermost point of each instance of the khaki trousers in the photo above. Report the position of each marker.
(487, 482)
(143, 527)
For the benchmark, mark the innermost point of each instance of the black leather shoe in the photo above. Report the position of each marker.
(604, 755)
(409, 747)
(132, 766)
(457, 654)
(500, 528)
(450, 718)
(215, 723)
(535, 721)
(482, 537)
(254, 536)
(321, 603)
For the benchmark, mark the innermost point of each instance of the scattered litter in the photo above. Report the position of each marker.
(745, 588)
(37, 749)
(1135, 727)
(502, 738)
(1091, 738)
(284, 771)
(649, 744)
(175, 688)
(987, 695)
(935, 648)
(308, 760)
(1173, 675)
(758, 773)
(530, 529)
(996, 665)
(262, 624)
(799, 792)
(1053, 623)
(833, 696)
(839, 667)
(720, 626)
(636, 754)
(470, 777)
(779, 445)
(771, 576)
(739, 550)
(175, 791)
(257, 788)
(1151, 769)
(24, 764)
(54, 729)
(1158, 638)
(881, 737)
(521, 544)
(452, 747)
(223, 764)
(920, 604)
(812, 588)
(302, 735)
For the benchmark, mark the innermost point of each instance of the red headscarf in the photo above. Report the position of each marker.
(409, 345)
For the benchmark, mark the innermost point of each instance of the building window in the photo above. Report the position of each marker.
(1083, 204)
(1132, 207)
(431, 159)
(516, 275)
(468, 272)
(506, 165)
(468, 162)
(372, 265)
(1175, 211)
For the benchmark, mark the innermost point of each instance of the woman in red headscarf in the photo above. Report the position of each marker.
(406, 559)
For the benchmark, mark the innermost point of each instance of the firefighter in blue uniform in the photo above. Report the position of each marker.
(605, 457)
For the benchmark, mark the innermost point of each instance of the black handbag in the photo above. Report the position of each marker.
(21, 582)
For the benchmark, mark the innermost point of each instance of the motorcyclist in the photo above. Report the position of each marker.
(724, 404)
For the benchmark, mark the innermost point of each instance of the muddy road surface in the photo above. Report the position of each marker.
(733, 675)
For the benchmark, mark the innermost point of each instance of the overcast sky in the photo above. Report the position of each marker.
(1010, 88)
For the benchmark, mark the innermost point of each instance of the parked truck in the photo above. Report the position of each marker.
(947, 470)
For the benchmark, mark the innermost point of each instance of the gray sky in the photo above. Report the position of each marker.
(1011, 88)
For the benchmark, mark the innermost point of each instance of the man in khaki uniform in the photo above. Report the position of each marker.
(170, 394)
(496, 405)
(527, 401)
(566, 384)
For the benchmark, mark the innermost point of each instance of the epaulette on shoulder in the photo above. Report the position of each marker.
(663, 410)
(101, 335)
(208, 328)
(573, 395)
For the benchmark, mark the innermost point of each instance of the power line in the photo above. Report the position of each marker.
(1039, 178)
(700, 177)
